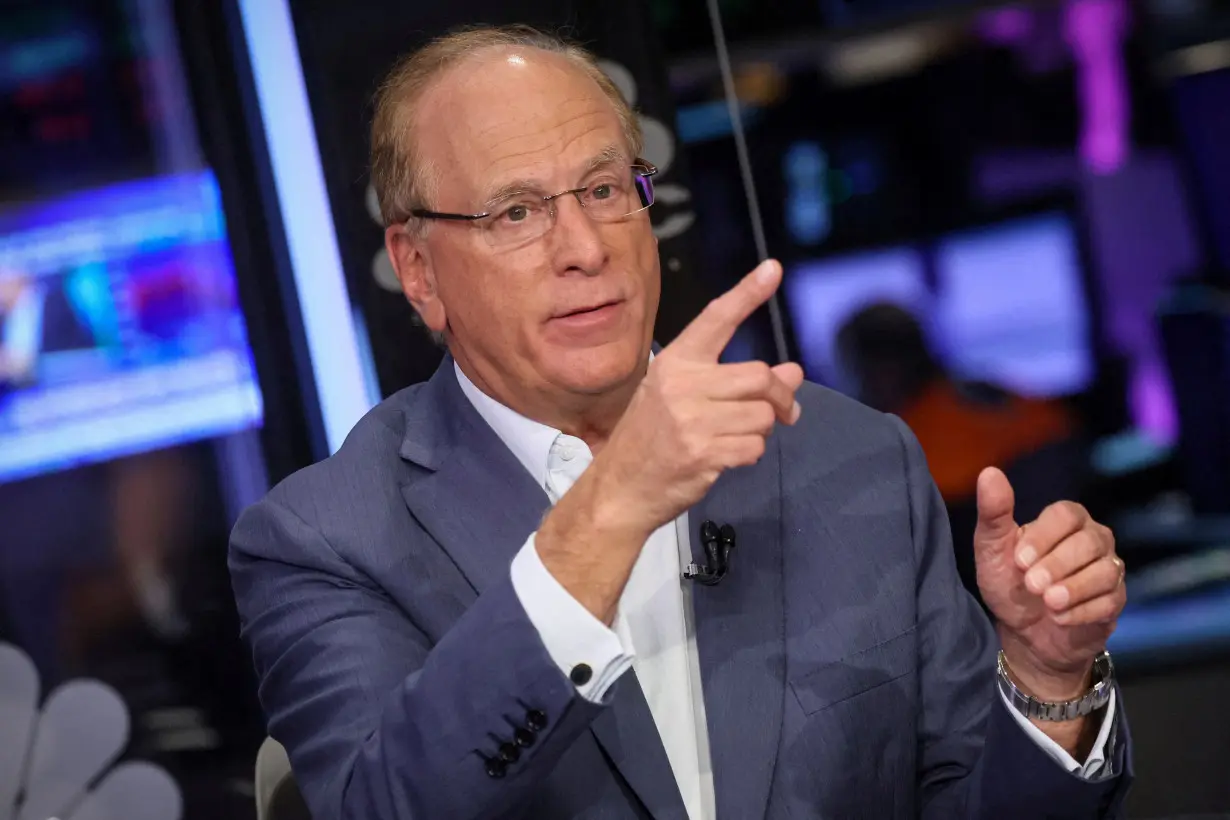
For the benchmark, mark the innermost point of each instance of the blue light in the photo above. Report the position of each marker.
(808, 209)
(337, 361)
(709, 121)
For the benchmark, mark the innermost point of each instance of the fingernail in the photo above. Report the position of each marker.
(1062, 617)
(795, 412)
(1037, 579)
(1026, 556)
(1057, 597)
(765, 271)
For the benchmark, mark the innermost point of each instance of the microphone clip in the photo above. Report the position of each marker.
(717, 543)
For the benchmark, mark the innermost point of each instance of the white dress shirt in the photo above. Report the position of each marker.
(652, 632)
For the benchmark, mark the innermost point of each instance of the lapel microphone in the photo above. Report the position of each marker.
(718, 542)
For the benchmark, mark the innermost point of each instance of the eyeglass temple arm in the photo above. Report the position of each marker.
(422, 213)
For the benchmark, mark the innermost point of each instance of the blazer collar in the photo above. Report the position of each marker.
(530, 441)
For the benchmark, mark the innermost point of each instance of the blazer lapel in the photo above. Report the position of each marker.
(479, 503)
(475, 499)
(740, 636)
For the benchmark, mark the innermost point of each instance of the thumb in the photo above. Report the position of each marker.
(997, 529)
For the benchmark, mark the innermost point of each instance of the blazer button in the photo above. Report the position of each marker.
(509, 753)
(536, 719)
(580, 674)
(524, 737)
(496, 768)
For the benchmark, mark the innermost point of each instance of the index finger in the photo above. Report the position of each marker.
(708, 334)
(1048, 530)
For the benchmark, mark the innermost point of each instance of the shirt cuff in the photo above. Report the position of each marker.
(571, 634)
(1097, 755)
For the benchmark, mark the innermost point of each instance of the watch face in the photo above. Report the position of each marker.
(1103, 667)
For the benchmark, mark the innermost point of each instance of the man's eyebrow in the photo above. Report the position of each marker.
(608, 156)
(508, 191)
(611, 155)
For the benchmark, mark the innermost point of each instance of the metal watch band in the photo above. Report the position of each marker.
(1090, 702)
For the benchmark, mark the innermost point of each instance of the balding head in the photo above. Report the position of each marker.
(545, 296)
(402, 174)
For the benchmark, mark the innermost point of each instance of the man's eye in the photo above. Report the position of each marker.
(604, 191)
(517, 213)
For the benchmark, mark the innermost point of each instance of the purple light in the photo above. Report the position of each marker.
(1152, 402)
(1006, 26)
(1094, 30)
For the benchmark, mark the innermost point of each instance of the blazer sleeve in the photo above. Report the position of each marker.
(974, 760)
(379, 723)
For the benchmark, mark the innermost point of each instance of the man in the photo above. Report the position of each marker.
(476, 609)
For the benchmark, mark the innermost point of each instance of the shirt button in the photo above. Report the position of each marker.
(567, 453)
(523, 737)
(496, 768)
(580, 674)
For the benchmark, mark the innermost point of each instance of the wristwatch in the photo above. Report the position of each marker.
(1088, 703)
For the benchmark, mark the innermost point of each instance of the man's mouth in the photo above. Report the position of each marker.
(581, 311)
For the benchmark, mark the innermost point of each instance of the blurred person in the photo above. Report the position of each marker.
(152, 517)
(475, 608)
(36, 317)
(962, 426)
(68, 582)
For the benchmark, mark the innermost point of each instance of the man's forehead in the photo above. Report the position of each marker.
(501, 113)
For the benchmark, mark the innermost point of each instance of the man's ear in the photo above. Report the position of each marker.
(412, 262)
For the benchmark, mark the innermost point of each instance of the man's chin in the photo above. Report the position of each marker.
(595, 371)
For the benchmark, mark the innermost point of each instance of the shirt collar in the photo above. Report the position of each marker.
(530, 441)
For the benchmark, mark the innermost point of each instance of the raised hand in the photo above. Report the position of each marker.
(1055, 587)
(690, 419)
(693, 418)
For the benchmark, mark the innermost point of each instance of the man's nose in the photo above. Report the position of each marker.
(578, 243)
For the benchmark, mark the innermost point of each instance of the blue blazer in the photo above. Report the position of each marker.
(846, 672)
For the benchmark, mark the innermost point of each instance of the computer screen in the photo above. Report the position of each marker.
(120, 328)
(822, 295)
(1003, 303)
(1010, 306)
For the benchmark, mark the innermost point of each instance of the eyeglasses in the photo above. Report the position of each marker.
(522, 218)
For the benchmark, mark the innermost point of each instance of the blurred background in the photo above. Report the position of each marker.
(1009, 224)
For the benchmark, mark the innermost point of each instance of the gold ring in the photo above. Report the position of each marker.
(1118, 562)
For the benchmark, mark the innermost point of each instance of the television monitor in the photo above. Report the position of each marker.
(821, 295)
(1010, 306)
(120, 329)
(1003, 302)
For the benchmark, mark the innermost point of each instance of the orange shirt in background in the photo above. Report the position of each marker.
(961, 436)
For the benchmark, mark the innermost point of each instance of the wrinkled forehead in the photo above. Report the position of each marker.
(513, 114)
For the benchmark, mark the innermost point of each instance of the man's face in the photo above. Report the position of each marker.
(568, 314)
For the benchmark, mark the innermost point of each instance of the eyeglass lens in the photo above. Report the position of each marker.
(606, 199)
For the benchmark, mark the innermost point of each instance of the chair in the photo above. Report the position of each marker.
(277, 795)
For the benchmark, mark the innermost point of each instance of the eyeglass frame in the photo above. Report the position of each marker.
(650, 170)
